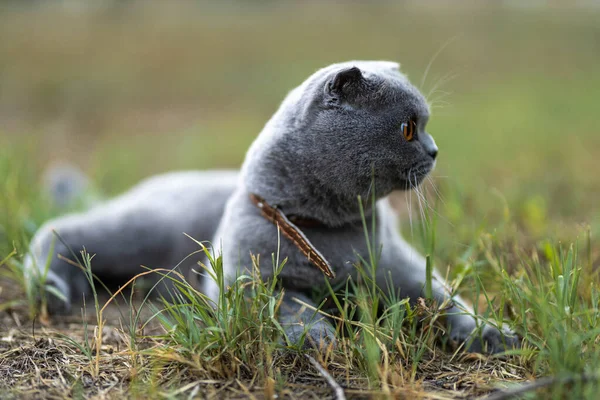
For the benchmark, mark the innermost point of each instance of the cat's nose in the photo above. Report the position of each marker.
(429, 145)
(431, 148)
(433, 152)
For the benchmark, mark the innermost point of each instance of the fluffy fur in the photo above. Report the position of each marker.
(335, 137)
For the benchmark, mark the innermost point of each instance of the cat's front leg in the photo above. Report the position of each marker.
(476, 335)
(302, 324)
(51, 269)
(406, 269)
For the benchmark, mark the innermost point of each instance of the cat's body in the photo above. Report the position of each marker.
(341, 134)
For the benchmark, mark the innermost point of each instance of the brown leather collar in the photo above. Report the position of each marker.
(293, 233)
(305, 222)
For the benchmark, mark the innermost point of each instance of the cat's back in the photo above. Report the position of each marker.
(186, 184)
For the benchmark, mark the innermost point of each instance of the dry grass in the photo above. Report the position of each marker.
(40, 365)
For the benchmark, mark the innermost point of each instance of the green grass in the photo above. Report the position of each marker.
(515, 225)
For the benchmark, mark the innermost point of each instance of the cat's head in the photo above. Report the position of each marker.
(346, 127)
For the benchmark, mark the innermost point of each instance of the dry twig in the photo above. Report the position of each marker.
(339, 392)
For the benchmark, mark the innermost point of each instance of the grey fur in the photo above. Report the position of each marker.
(144, 226)
(335, 137)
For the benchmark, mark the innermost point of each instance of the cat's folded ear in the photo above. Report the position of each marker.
(344, 83)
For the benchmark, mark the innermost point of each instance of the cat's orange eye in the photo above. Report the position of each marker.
(408, 129)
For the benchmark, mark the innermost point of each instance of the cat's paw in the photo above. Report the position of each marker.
(57, 295)
(486, 339)
(56, 305)
(319, 335)
(54, 291)
(55, 282)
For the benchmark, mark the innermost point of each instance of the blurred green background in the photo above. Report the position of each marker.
(129, 89)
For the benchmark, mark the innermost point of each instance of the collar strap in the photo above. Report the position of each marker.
(302, 222)
(293, 233)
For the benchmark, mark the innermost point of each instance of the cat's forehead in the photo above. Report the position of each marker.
(391, 88)
(396, 90)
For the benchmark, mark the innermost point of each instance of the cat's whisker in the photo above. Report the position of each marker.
(425, 192)
(415, 185)
(412, 234)
(441, 81)
(412, 188)
(438, 104)
(423, 201)
(441, 94)
(439, 99)
(433, 58)
(424, 221)
(439, 195)
(435, 189)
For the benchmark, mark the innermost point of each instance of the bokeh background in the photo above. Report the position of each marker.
(127, 89)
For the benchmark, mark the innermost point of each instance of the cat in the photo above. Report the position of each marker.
(351, 129)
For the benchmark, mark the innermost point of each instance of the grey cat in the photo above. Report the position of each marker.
(348, 130)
